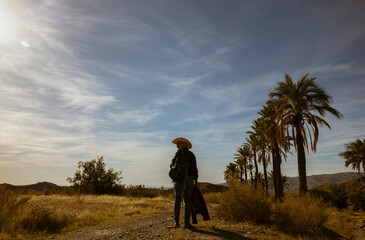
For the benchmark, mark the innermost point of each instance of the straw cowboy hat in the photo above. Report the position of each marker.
(184, 140)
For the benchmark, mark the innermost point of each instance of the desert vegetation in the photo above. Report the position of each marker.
(28, 216)
(305, 216)
(289, 121)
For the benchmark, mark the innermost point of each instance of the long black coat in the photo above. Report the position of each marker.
(198, 206)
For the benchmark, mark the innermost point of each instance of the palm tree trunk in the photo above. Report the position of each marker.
(241, 174)
(251, 178)
(274, 172)
(256, 168)
(245, 172)
(301, 162)
(265, 174)
(278, 173)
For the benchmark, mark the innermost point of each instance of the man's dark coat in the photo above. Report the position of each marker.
(198, 206)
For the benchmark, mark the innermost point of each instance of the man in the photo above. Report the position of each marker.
(185, 185)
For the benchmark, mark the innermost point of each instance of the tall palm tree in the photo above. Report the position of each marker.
(355, 154)
(230, 174)
(277, 141)
(296, 103)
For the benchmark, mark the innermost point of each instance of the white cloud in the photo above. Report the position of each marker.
(140, 116)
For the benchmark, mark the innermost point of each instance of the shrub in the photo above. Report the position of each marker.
(39, 218)
(93, 177)
(338, 197)
(300, 214)
(142, 191)
(11, 204)
(357, 199)
(212, 198)
(324, 195)
(242, 202)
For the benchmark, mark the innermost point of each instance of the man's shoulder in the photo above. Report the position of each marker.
(183, 151)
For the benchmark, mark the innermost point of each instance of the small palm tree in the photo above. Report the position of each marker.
(240, 162)
(260, 131)
(339, 196)
(296, 103)
(355, 154)
(251, 167)
(242, 157)
(253, 142)
(230, 174)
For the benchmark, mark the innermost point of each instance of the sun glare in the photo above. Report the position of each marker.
(9, 26)
(24, 44)
(6, 23)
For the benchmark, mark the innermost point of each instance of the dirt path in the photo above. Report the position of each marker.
(155, 227)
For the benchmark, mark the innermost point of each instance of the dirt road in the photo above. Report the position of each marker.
(155, 227)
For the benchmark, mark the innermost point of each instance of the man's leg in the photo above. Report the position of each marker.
(178, 192)
(187, 198)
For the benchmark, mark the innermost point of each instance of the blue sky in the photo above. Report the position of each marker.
(122, 79)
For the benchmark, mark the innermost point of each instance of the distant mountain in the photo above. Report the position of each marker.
(206, 187)
(350, 186)
(318, 180)
(41, 186)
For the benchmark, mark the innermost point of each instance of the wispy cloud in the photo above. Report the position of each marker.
(122, 79)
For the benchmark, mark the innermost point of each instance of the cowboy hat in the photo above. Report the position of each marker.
(184, 140)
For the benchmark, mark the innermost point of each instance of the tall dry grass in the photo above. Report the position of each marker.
(300, 214)
(242, 202)
(11, 205)
(26, 216)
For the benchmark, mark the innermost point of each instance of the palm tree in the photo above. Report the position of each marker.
(260, 130)
(252, 140)
(230, 173)
(277, 141)
(355, 154)
(296, 103)
(240, 162)
(284, 180)
(242, 157)
(250, 168)
(260, 180)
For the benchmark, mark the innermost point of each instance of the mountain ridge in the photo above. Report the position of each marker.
(314, 181)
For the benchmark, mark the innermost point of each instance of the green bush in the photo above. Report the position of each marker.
(243, 203)
(93, 177)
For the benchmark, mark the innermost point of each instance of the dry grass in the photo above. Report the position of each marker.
(242, 202)
(345, 222)
(213, 198)
(300, 214)
(28, 216)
